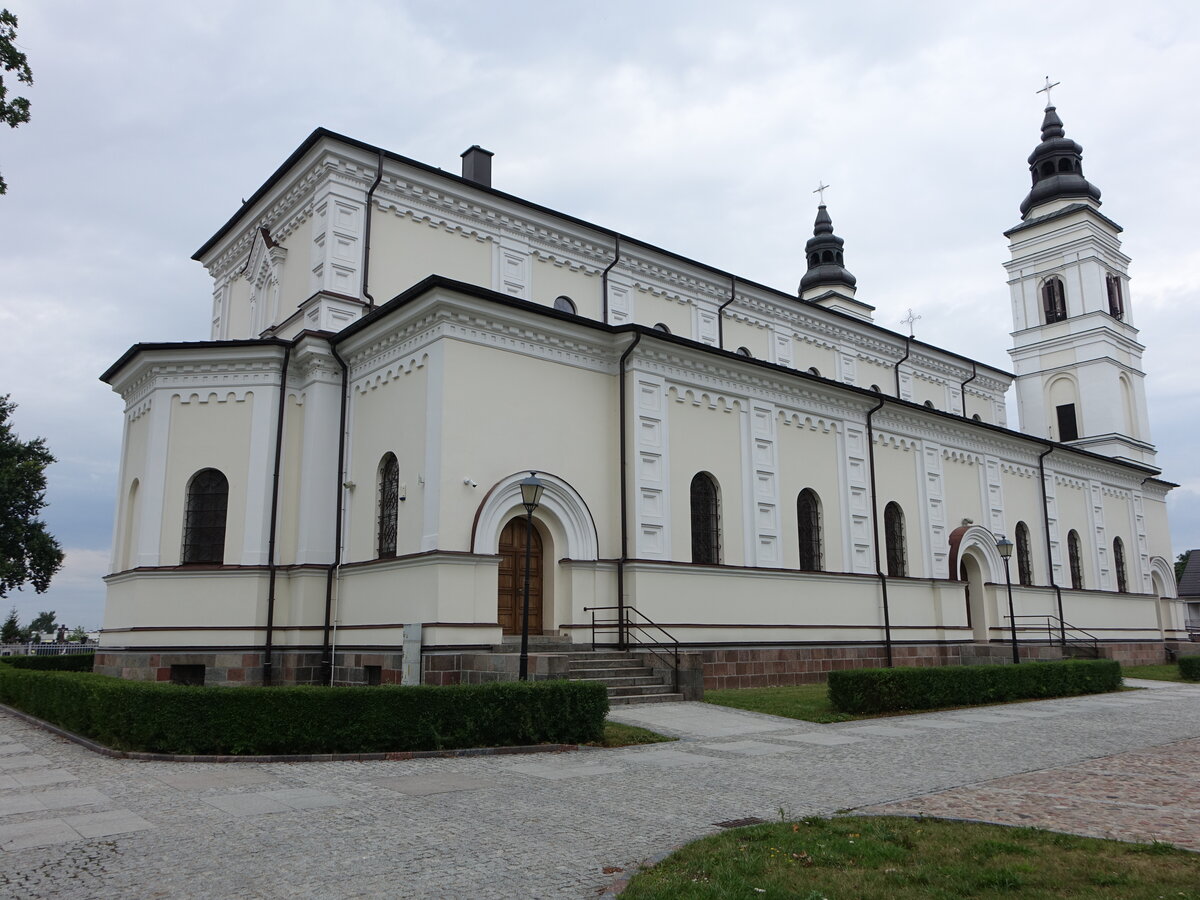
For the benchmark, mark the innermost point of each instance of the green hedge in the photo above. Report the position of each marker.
(1189, 668)
(63, 662)
(166, 718)
(889, 690)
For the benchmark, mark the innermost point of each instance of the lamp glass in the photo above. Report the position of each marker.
(531, 491)
(1005, 546)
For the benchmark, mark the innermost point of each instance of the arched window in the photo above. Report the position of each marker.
(808, 518)
(1119, 563)
(929, 404)
(564, 304)
(389, 504)
(813, 370)
(877, 389)
(706, 520)
(744, 351)
(1116, 303)
(659, 326)
(893, 530)
(1024, 555)
(204, 519)
(1054, 300)
(1074, 553)
(1064, 165)
(977, 418)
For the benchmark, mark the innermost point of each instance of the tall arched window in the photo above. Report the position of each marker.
(893, 529)
(1116, 303)
(389, 504)
(706, 520)
(808, 518)
(204, 518)
(1024, 556)
(1054, 300)
(1119, 563)
(1074, 553)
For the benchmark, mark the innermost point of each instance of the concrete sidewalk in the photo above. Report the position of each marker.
(75, 824)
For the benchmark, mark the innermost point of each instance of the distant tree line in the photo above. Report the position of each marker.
(12, 632)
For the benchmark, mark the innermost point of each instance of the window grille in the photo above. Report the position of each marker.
(808, 516)
(1024, 555)
(706, 520)
(389, 504)
(893, 527)
(564, 304)
(1073, 552)
(204, 519)
(1119, 562)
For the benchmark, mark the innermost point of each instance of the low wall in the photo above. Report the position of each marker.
(235, 668)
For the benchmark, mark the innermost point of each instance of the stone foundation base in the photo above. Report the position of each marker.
(1147, 653)
(235, 668)
(479, 667)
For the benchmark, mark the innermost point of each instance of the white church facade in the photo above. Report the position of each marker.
(328, 488)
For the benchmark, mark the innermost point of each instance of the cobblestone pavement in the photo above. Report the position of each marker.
(77, 825)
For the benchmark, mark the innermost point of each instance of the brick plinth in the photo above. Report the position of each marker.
(235, 668)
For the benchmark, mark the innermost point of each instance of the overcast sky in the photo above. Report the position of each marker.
(700, 127)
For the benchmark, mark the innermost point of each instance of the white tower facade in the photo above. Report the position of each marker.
(1075, 350)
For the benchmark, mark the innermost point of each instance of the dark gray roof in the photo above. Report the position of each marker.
(1189, 584)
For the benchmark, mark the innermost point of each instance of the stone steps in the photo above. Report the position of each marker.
(627, 680)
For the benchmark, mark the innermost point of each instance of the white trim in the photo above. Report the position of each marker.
(559, 500)
(976, 537)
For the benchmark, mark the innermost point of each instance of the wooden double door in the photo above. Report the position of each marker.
(512, 577)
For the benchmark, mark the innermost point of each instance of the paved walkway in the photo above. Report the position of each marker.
(74, 824)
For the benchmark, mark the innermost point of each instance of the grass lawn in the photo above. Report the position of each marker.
(1165, 672)
(809, 702)
(618, 735)
(875, 858)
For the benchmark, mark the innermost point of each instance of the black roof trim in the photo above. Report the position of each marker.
(1059, 213)
(473, 290)
(137, 349)
(320, 133)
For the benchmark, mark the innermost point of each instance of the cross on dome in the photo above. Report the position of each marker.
(1047, 88)
(821, 189)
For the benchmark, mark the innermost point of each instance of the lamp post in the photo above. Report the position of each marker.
(1005, 546)
(531, 495)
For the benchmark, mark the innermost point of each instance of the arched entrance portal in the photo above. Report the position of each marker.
(512, 577)
(972, 576)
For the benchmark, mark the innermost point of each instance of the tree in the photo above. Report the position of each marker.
(42, 622)
(28, 552)
(1181, 562)
(16, 111)
(10, 631)
(78, 636)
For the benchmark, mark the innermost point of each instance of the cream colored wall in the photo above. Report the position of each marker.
(513, 405)
(743, 334)
(923, 390)
(389, 417)
(650, 309)
(206, 435)
(295, 281)
(1071, 504)
(238, 312)
(869, 373)
(1158, 531)
(896, 477)
(1118, 522)
(235, 599)
(550, 280)
(289, 482)
(708, 439)
(406, 251)
(961, 491)
(134, 468)
(1023, 503)
(808, 458)
(807, 356)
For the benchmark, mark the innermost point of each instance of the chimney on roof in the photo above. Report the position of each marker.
(477, 165)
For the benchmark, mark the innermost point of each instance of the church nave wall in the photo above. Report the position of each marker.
(808, 458)
(898, 478)
(407, 248)
(552, 278)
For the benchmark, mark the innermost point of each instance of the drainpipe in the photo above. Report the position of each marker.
(907, 347)
(1062, 625)
(721, 312)
(883, 585)
(621, 635)
(331, 575)
(272, 566)
(604, 282)
(367, 234)
(962, 388)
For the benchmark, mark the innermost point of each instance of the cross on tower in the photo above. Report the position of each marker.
(1046, 90)
(910, 320)
(821, 189)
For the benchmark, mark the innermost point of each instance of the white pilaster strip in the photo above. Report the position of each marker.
(652, 449)
(935, 510)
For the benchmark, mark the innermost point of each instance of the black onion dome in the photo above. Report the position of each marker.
(824, 254)
(1056, 166)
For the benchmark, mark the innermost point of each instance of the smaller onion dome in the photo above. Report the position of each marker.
(824, 254)
(1056, 165)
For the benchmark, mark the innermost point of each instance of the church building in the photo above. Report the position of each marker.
(328, 489)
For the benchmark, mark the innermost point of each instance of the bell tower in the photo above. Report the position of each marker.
(1075, 350)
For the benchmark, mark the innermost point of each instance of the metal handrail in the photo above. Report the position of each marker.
(1063, 627)
(616, 626)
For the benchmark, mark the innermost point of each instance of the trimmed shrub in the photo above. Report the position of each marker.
(63, 662)
(1189, 668)
(167, 718)
(890, 690)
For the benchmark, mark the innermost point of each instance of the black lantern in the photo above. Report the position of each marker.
(531, 496)
(1005, 547)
